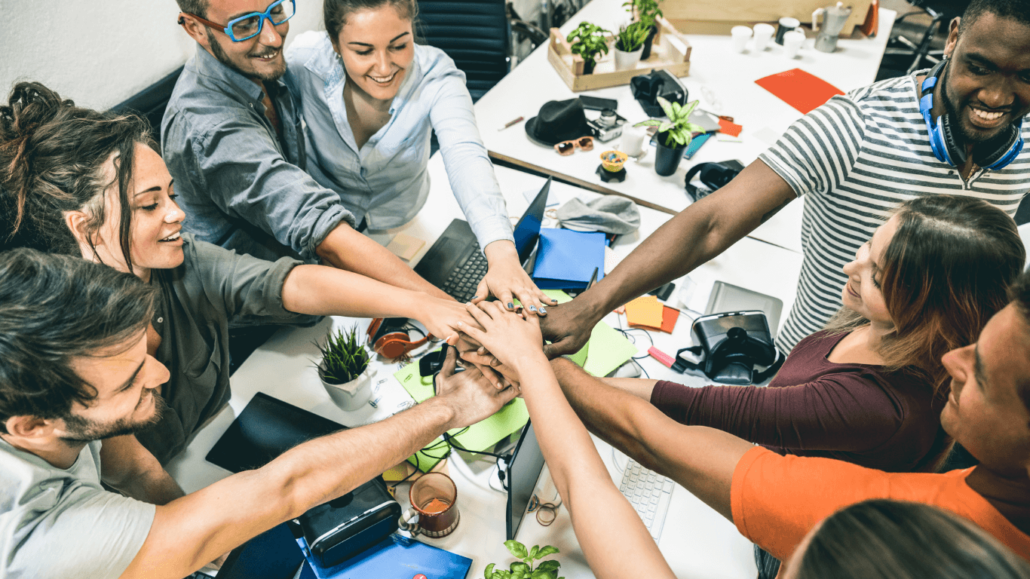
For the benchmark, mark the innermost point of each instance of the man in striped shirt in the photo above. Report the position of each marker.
(855, 159)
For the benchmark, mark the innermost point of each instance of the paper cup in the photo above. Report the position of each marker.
(763, 34)
(792, 42)
(633, 141)
(740, 35)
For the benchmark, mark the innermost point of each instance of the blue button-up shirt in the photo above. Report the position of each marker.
(386, 181)
(241, 186)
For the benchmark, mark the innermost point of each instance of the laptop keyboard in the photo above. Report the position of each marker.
(464, 280)
(650, 495)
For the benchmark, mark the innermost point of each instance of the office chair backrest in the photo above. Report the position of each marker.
(474, 33)
(150, 102)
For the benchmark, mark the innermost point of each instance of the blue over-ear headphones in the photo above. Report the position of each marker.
(942, 139)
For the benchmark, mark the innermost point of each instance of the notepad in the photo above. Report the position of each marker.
(669, 318)
(567, 259)
(799, 89)
(728, 128)
(644, 311)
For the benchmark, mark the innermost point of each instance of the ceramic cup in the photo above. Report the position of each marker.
(740, 35)
(633, 140)
(763, 34)
(434, 511)
(786, 25)
(792, 42)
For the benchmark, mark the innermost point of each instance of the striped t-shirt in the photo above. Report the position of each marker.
(857, 157)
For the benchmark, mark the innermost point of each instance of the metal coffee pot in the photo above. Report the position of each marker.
(834, 19)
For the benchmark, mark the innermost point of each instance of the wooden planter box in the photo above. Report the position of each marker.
(671, 52)
(719, 16)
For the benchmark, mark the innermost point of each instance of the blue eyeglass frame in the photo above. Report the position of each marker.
(262, 16)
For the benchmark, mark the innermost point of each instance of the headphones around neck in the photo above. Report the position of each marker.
(942, 138)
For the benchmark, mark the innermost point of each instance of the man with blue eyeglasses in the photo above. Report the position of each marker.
(232, 139)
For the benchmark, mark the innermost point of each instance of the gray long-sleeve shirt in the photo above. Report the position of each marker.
(199, 299)
(241, 186)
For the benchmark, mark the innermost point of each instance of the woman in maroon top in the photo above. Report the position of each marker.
(869, 389)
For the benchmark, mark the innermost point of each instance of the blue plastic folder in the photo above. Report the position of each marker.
(395, 557)
(566, 259)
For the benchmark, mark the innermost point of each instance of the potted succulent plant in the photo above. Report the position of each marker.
(345, 370)
(589, 41)
(525, 569)
(646, 12)
(629, 45)
(674, 135)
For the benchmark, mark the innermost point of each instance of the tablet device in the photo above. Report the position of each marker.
(273, 554)
(523, 471)
(266, 428)
(730, 298)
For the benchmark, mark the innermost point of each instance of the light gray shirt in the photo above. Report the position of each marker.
(199, 299)
(241, 186)
(385, 181)
(57, 523)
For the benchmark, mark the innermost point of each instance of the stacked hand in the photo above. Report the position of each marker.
(512, 340)
(507, 281)
(470, 394)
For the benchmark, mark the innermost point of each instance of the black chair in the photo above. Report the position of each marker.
(941, 12)
(476, 34)
(150, 102)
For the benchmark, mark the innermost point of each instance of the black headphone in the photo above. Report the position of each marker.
(942, 137)
(733, 360)
(713, 175)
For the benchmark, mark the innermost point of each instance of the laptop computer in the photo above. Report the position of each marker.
(456, 264)
(524, 467)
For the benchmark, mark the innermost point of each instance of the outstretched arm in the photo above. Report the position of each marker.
(691, 238)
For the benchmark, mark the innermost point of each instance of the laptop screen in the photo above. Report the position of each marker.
(523, 472)
(528, 229)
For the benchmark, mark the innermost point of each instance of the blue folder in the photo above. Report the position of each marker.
(566, 259)
(395, 557)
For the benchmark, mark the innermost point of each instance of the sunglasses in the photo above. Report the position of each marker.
(249, 25)
(569, 147)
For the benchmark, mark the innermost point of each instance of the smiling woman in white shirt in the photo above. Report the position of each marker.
(370, 98)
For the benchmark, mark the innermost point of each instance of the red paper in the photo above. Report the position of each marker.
(728, 128)
(799, 89)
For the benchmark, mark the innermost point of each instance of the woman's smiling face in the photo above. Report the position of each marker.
(377, 46)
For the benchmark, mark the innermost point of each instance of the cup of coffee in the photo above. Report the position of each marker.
(792, 42)
(633, 141)
(786, 25)
(740, 34)
(434, 512)
(763, 34)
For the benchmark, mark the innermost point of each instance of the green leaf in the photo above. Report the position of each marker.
(516, 548)
(502, 574)
(489, 573)
(548, 550)
(649, 123)
(676, 108)
(521, 574)
(538, 574)
(666, 126)
(520, 566)
(551, 565)
(534, 551)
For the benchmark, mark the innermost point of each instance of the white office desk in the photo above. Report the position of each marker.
(722, 80)
(696, 540)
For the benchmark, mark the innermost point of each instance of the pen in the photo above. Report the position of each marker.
(510, 123)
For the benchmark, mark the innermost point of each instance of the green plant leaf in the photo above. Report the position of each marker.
(516, 548)
(551, 565)
(666, 126)
(489, 573)
(534, 551)
(649, 123)
(546, 551)
(665, 106)
(520, 566)
(538, 574)
(520, 574)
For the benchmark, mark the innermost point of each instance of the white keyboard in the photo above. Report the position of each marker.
(649, 493)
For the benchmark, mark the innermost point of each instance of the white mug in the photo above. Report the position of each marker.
(792, 42)
(740, 35)
(633, 141)
(763, 34)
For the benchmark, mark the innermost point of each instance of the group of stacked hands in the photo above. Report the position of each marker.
(909, 334)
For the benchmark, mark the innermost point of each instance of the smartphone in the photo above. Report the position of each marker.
(598, 103)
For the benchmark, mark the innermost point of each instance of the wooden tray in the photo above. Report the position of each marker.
(671, 52)
(723, 15)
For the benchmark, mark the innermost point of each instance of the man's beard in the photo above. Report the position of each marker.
(85, 430)
(964, 137)
(223, 58)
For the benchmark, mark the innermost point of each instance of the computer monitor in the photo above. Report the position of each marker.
(523, 471)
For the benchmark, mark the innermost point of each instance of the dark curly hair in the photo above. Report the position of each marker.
(53, 310)
(1018, 10)
(54, 158)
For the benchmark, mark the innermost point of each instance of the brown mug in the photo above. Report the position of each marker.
(434, 512)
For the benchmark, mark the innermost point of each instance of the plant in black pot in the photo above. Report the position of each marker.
(646, 12)
(589, 41)
(629, 45)
(674, 135)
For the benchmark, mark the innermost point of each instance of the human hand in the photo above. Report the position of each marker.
(506, 280)
(509, 337)
(469, 394)
(568, 328)
(486, 360)
(441, 317)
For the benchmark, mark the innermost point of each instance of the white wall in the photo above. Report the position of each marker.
(100, 52)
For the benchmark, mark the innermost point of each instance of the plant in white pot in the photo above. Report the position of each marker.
(674, 134)
(590, 42)
(345, 370)
(629, 45)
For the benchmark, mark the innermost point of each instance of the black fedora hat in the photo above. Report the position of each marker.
(558, 121)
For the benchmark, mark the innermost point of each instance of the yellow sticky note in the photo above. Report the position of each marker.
(645, 311)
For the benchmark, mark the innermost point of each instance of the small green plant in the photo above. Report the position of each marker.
(589, 40)
(344, 358)
(646, 11)
(678, 129)
(631, 37)
(524, 569)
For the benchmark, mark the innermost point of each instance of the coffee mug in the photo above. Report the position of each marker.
(434, 512)
(792, 42)
(763, 34)
(786, 25)
(633, 141)
(739, 36)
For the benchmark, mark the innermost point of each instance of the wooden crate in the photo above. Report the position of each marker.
(671, 52)
(718, 16)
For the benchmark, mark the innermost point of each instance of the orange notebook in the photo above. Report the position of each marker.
(799, 89)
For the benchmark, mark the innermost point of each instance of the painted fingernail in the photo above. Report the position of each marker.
(474, 297)
(543, 310)
(532, 308)
(511, 306)
(554, 300)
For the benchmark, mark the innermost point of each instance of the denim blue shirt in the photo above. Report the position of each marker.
(386, 181)
(241, 186)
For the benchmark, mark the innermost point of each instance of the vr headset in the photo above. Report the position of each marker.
(713, 176)
(646, 88)
(730, 346)
(389, 337)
